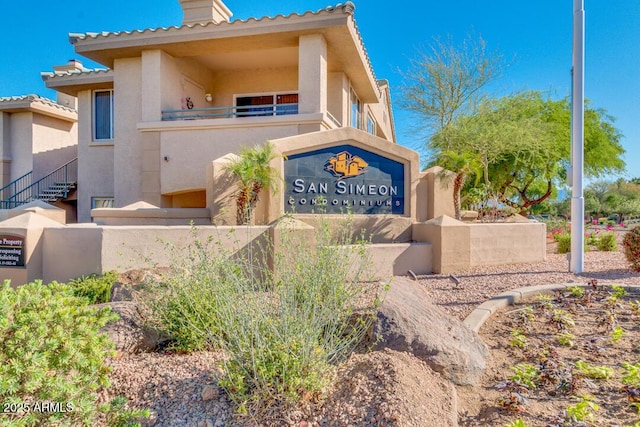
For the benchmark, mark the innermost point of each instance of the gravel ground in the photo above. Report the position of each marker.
(181, 390)
(479, 284)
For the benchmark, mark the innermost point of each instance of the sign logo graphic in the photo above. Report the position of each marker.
(346, 165)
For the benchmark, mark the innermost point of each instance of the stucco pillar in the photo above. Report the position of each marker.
(5, 151)
(338, 97)
(312, 74)
(151, 85)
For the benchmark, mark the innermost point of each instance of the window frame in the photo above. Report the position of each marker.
(104, 199)
(94, 116)
(354, 101)
(372, 126)
(263, 112)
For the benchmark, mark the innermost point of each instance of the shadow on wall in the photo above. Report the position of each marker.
(376, 228)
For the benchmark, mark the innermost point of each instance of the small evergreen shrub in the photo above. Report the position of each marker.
(564, 242)
(607, 242)
(95, 287)
(631, 244)
(51, 350)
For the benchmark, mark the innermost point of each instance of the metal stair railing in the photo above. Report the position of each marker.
(17, 186)
(50, 187)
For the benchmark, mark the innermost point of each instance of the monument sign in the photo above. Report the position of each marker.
(343, 179)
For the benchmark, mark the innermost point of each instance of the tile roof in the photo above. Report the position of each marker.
(347, 7)
(33, 98)
(46, 75)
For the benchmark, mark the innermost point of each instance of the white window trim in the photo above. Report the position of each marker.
(93, 117)
(370, 119)
(359, 124)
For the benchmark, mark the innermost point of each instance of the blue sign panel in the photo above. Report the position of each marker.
(343, 179)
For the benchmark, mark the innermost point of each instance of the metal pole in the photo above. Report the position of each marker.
(576, 263)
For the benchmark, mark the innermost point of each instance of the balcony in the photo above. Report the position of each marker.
(231, 112)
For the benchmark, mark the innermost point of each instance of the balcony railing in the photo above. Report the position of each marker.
(231, 112)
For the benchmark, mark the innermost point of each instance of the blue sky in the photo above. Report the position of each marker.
(535, 36)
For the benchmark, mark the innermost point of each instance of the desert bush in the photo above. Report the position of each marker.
(564, 242)
(607, 242)
(95, 287)
(631, 244)
(52, 350)
(282, 331)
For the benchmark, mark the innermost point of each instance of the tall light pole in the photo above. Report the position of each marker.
(576, 263)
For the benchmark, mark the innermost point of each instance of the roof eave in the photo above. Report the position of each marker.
(73, 83)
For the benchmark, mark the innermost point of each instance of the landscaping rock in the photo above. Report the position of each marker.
(121, 292)
(408, 321)
(210, 393)
(130, 334)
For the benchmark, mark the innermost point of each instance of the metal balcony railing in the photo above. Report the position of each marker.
(231, 112)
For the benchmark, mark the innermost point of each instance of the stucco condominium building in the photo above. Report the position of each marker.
(171, 100)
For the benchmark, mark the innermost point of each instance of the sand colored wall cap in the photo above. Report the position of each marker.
(41, 208)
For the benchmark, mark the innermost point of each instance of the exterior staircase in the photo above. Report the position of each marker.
(51, 188)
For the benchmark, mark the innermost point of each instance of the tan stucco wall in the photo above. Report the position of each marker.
(21, 135)
(504, 243)
(226, 84)
(127, 141)
(5, 149)
(95, 164)
(312, 74)
(55, 142)
(190, 151)
(458, 246)
(151, 216)
(33, 141)
(31, 227)
(72, 252)
(338, 96)
(87, 248)
(375, 228)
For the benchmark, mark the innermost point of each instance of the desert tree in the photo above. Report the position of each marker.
(446, 80)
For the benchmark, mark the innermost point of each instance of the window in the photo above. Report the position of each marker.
(267, 105)
(101, 202)
(102, 115)
(371, 125)
(356, 111)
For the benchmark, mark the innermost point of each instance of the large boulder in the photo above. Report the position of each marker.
(409, 321)
(130, 334)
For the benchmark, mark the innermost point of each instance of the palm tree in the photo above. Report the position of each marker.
(253, 170)
(463, 165)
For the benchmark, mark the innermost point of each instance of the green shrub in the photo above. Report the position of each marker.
(564, 243)
(95, 287)
(283, 331)
(52, 351)
(631, 245)
(607, 242)
(117, 414)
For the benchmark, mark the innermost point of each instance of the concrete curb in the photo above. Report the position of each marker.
(476, 319)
